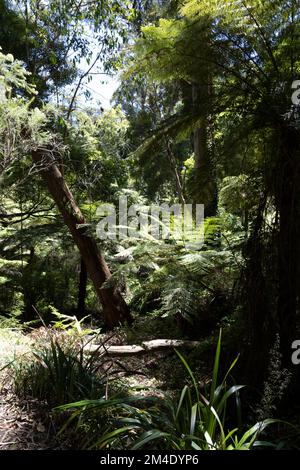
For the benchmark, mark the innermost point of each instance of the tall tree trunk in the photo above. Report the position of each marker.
(257, 305)
(275, 310)
(203, 164)
(114, 307)
(83, 275)
(288, 205)
(200, 133)
(200, 146)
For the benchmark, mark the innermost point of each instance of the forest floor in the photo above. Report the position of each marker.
(26, 424)
(22, 422)
(23, 426)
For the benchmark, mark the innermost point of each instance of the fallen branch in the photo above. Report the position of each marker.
(145, 348)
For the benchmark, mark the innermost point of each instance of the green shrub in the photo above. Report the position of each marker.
(192, 421)
(58, 373)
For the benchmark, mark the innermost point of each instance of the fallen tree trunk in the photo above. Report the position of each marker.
(145, 348)
(115, 309)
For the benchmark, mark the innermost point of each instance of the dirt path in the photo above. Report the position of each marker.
(22, 425)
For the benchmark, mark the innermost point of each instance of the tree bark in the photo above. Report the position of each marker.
(115, 309)
(200, 134)
(83, 276)
(203, 164)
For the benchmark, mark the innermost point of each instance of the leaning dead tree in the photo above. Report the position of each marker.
(115, 309)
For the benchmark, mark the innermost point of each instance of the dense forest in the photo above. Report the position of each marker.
(150, 247)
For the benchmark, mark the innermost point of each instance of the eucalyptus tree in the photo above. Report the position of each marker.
(25, 133)
(52, 38)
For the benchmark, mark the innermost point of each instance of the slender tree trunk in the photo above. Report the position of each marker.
(83, 276)
(114, 307)
(177, 175)
(29, 299)
(170, 154)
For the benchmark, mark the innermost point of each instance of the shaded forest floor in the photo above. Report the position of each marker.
(28, 424)
(23, 425)
(22, 422)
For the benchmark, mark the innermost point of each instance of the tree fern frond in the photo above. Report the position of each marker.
(203, 262)
(180, 298)
(178, 126)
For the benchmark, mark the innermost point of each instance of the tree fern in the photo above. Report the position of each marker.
(172, 281)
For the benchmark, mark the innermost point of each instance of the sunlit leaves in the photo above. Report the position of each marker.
(13, 74)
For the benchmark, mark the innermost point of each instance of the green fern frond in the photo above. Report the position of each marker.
(177, 127)
(181, 299)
